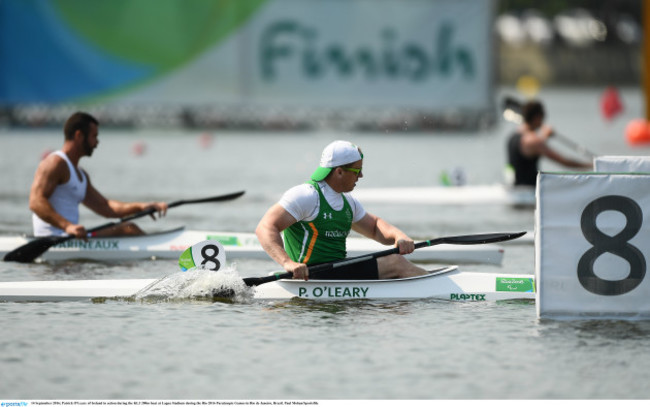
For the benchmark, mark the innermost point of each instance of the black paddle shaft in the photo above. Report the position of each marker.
(30, 251)
(460, 240)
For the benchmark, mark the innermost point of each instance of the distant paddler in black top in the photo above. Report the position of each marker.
(529, 143)
(59, 187)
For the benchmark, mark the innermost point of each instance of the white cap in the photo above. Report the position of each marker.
(336, 154)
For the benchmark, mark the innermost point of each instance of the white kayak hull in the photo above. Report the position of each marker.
(495, 194)
(70, 290)
(170, 245)
(446, 284)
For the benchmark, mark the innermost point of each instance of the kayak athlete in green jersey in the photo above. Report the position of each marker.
(316, 217)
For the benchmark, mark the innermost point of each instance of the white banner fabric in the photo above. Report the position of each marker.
(614, 163)
(592, 245)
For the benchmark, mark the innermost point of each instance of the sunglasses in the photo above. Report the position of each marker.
(354, 170)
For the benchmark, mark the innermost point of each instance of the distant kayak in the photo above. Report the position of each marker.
(495, 194)
(170, 244)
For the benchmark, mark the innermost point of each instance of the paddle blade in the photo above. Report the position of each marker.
(30, 251)
(208, 254)
(512, 110)
(218, 198)
(255, 281)
(480, 238)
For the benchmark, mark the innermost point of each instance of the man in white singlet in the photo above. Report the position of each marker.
(59, 187)
(316, 218)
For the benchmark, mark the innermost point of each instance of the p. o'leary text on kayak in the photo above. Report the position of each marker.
(446, 284)
(333, 292)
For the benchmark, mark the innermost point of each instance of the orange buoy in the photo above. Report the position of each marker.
(637, 132)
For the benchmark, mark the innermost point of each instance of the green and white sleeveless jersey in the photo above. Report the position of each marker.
(323, 238)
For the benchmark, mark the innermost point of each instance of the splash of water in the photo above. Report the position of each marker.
(197, 284)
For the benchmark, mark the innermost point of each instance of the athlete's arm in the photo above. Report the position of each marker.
(378, 229)
(274, 221)
(50, 173)
(111, 208)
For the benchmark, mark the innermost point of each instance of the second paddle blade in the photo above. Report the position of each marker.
(30, 251)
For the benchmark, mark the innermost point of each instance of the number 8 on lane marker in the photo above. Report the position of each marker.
(208, 254)
(592, 242)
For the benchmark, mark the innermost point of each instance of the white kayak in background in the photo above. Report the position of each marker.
(520, 197)
(170, 244)
(447, 283)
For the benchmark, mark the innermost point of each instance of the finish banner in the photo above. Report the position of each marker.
(592, 245)
(336, 53)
